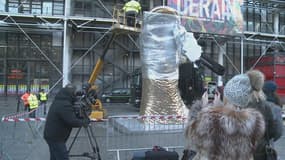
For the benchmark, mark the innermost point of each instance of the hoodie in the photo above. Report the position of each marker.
(61, 117)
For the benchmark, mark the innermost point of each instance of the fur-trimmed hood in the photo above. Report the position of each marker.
(225, 132)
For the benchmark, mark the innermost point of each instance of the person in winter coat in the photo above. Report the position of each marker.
(269, 89)
(60, 120)
(227, 130)
(273, 119)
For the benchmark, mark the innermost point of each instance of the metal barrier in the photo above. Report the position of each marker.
(20, 138)
(136, 133)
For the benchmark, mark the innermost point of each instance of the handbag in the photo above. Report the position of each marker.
(270, 152)
(188, 154)
(159, 153)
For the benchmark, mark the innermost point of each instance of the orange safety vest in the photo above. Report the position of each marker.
(25, 97)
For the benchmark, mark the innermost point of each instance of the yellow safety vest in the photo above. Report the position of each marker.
(132, 6)
(43, 96)
(33, 101)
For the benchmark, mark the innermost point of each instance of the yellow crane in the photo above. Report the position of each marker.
(98, 112)
(118, 27)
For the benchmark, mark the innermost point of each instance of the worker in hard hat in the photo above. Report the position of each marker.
(33, 104)
(131, 9)
(43, 97)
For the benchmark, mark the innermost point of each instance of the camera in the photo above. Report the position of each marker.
(212, 89)
(84, 101)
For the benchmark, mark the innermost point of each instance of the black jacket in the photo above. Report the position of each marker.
(61, 117)
(274, 125)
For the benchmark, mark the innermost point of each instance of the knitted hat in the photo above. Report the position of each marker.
(269, 86)
(239, 89)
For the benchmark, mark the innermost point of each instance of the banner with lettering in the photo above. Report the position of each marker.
(210, 16)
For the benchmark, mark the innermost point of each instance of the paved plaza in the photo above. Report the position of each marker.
(23, 140)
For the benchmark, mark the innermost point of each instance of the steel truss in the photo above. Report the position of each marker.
(97, 24)
(55, 23)
(269, 40)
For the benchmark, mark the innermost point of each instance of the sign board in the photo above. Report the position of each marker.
(210, 16)
(16, 74)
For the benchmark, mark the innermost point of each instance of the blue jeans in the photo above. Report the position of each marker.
(57, 150)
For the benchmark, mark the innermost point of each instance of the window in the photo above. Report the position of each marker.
(12, 52)
(257, 20)
(2, 38)
(12, 39)
(2, 5)
(57, 39)
(83, 8)
(46, 40)
(58, 7)
(249, 18)
(13, 6)
(2, 54)
(47, 8)
(36, 7)
(266, 21)
(282, 23)
(25, 7)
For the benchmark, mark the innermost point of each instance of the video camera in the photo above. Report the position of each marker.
(84, 101)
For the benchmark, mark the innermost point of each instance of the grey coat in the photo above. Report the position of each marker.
(274, 125)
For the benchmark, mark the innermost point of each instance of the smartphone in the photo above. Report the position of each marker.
(212, 89)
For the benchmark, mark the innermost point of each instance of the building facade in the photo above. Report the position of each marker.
(49, 43)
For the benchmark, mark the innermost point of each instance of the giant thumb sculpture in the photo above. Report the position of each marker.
(160, 53)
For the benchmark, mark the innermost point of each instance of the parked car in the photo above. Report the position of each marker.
(118, 95)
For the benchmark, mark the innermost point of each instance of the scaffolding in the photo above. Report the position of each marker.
(36, 23)
(97, 29)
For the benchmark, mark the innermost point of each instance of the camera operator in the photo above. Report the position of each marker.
(60, 120)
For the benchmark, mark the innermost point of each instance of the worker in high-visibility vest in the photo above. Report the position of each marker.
(33, 104)
(43, 97)
(131, 9)
(24, 98)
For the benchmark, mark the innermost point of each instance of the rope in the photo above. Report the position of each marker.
(16, 115)
(37, 119)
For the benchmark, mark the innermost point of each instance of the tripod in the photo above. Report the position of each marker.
(95, 154)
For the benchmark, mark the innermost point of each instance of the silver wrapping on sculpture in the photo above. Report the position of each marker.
(160, 62)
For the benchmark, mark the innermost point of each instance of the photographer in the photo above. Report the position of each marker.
(60, 120)
(228, 129)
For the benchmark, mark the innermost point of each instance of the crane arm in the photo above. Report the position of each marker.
(99, 65)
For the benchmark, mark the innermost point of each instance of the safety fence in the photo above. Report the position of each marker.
(128, 134)
(20, 137)
(21, 134)
(117, 137)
